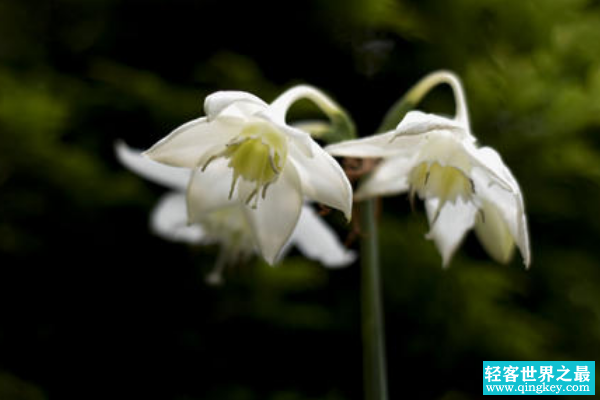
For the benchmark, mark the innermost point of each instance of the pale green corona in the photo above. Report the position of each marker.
(257, 155)
(443, 182)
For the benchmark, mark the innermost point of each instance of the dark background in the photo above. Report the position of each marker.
(94, 306)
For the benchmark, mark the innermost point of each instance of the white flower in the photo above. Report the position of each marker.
(243, 152)
(463, 185)
(227, 225)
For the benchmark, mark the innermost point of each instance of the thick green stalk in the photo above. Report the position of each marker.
(408, 102)
(375, 376)
(341, 126)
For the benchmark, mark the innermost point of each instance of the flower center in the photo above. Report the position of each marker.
(257, 155)
(446, 183)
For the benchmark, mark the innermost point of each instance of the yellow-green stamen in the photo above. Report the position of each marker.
(446, 183)
(257, 155)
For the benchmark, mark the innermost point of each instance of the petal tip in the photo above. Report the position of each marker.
(348, 213)
(270, 259)
(343, 262)
(150, 154)
(214, 279)
(446, 261)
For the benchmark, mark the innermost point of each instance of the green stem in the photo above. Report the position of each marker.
(375, 376)
(341, 126)
(419, 91)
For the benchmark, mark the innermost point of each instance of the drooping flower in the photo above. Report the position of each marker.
(463, 185)
(243, 152)
(226, 226)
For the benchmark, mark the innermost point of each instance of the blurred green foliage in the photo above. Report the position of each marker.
(93, 305)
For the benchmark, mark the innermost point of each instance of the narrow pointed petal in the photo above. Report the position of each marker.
(375, 146)
(208, 190)
(494, 234)
(382, 145)
(323, 180)
(169, 220)
(509, 207)
(244, 104)
(171, 177)
(449, 227)
(192, 143)
(316, 240)
(275, 217)
(507, 198)
(489, 161)
(523, 237)
(508, 202)
(389, 177)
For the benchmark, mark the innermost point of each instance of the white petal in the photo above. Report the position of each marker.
(276, 216)
(504, 201)
(389, 177)
(237, 104)
(192, 143)
(508, 201)
(418, 123)
(488, 160)
(169, 220)
(316, 240)
(449, 227)
(523, 237)
(494, 233)
(322, 179)
(300, 138)
(405, 139)
(171, 177)
(209, 189)
(379, 146)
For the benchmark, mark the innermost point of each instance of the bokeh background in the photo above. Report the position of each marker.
(94, 306)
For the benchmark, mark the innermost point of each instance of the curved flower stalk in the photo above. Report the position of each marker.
(227, 225)
(243, 152)
(463, 185)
